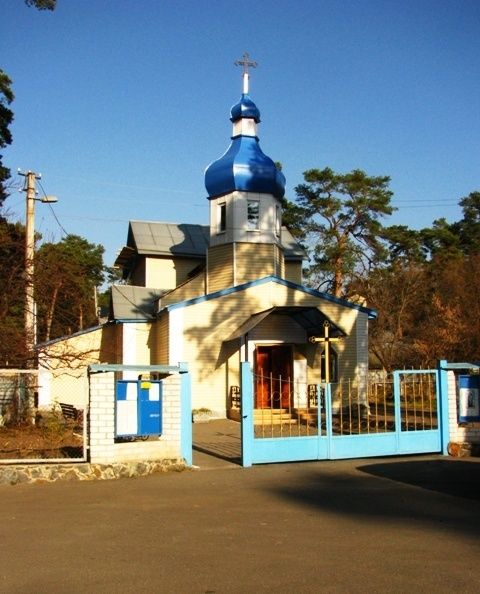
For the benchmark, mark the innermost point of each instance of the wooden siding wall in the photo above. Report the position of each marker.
(279, 262)
(111, 344)
(293, 271)
(67, 361)
(220, 268)
(195, 287)
(257, 260)
(168, 273)
(236, 263)
(77, 352)
(159, 341)
(209, 323)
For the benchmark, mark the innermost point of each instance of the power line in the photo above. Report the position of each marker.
(132, 186)
(52, 211)
(406, 206)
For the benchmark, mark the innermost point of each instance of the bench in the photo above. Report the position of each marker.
(70, 413)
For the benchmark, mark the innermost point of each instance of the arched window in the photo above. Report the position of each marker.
(333, 356)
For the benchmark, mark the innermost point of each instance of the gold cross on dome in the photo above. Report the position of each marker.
(246, 63)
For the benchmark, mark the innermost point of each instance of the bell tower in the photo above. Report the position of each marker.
(244, 189)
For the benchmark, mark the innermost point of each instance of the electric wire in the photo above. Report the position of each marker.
(52, 210)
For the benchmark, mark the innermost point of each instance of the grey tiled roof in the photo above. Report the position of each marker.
(129, 302)
(185, 239)
(149, 237)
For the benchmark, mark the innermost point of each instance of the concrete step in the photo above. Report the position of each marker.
(271, 411)
(268, 422)
(273, 416)
(307, 415)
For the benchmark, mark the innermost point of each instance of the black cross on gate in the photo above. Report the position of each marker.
(327, 339)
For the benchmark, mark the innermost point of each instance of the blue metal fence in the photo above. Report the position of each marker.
(348, 423)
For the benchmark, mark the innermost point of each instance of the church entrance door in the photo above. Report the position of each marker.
(273, 376)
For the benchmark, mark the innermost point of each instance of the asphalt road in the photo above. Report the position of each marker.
(384, 525)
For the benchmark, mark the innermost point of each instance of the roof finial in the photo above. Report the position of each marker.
(246, 63)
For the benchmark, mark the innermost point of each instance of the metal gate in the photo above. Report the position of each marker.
(401, 415)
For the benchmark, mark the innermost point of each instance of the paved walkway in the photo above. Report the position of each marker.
(216, 444)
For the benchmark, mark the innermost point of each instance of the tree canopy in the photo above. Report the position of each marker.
(342, 215)
(6, 118)
(423, 283)
(67, 275)
(42, 4)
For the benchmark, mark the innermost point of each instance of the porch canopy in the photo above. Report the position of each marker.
(311, 319)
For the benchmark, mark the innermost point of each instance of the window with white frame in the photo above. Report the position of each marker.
(222, 218)
(253, 214)
(278, 223)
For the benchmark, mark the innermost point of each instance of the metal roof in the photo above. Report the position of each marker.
(133, 303)
(310, 319)
(151, 237)
(244, 166)
(183, 240)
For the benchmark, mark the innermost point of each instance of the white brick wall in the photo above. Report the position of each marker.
(104, 450)
(466, 432)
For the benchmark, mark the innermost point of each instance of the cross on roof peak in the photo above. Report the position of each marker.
(246, 63)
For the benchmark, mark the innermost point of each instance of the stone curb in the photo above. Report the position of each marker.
(50, 473)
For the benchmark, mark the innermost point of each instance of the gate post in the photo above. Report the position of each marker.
(185, 414)
(329, 420)
(397, 395)
(443, 408)
(246, 413)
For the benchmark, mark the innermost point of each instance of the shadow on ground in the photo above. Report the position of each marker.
(433, 494)
(452, 477)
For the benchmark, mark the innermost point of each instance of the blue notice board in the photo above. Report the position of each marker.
(468, 398)
(138, 408)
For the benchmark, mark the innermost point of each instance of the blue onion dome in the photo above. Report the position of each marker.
(244, 167)
(245, 108)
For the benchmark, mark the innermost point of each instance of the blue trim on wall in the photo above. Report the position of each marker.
(372, 314)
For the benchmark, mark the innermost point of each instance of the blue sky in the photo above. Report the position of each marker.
(122, 104)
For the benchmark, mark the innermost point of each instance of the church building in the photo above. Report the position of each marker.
(216, 295)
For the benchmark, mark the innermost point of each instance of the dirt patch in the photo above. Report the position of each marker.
(43, 441)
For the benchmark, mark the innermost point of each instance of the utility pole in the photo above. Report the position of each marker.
(30, 309)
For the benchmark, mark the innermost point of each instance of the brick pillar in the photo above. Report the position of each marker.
(102, 417)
